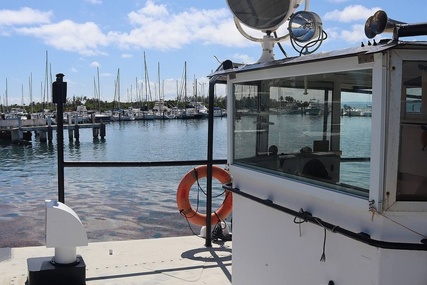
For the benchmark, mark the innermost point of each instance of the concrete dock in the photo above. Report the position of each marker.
(176, 260)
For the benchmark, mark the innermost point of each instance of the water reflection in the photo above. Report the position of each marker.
(113, 203)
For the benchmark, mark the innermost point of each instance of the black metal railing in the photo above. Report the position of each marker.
(59, 94)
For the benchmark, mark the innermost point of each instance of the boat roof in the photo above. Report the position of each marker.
(383, 45)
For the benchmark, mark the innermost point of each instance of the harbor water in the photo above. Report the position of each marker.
(113, 203)
(116, 203)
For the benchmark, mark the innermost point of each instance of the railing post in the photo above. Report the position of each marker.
(59, 93)
(208, 242)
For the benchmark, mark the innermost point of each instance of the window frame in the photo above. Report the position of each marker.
(340, 64)
(394, 118)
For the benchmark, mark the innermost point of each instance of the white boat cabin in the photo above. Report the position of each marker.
(327, 198)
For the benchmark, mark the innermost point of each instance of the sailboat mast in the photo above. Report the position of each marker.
(147, 82)
(177, 92)
(158, 77)
(195, 88)
(95, 95)
(99, 90)
(30, 87)
(49, 90)
(118, 86)
(22, 95)
(6, 99)
(46, 81)
(41, 93)
(185, 81)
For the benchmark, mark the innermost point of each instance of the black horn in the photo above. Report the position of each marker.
(380, 22)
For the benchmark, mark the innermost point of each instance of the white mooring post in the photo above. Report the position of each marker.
(64, 232)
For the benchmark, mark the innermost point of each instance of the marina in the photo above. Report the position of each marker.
(18, 129)
(297, 185)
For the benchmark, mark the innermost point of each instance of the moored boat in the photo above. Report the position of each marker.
(220, 112)
(328, 209)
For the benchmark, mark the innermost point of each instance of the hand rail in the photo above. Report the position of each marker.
(140, 163)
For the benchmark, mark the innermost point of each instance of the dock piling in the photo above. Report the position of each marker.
(70, 131)
(102, 129)
(42, 136)
(77, 131)
(49, 129)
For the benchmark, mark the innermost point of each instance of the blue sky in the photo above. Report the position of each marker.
(81, 36)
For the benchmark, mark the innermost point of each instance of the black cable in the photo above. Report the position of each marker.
(189, 224)
(323, 257)
(300, 48)
(280, 45)
(361, 237)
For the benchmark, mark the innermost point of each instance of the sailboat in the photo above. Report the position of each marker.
(161, 110)
(147, 114)
(119, 114)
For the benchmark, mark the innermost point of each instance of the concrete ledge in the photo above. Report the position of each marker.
(174, 261)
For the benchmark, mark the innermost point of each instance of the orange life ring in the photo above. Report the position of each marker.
(183, 195)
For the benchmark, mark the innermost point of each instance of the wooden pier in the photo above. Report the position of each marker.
(18, 130)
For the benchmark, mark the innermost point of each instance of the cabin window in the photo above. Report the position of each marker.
(412, 170)
(315, 129)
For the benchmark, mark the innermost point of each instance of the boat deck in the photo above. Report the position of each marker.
(177, 260)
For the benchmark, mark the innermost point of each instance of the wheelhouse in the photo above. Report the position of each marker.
(336, 136)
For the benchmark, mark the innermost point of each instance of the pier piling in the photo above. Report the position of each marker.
(16, 135)
(49, 129)
(70, 134)
(102, 130)
(49, 133)
(42, 136)
(77, 131)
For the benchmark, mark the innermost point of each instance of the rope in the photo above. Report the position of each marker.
(374, 211)
(323, 256)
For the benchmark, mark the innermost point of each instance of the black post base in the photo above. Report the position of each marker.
(42, 271)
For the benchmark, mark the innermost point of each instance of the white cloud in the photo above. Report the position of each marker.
(350, 14)
(94, 1)
(152, 27)
(73, 69)
(337, 1)
(24, 16)
(156, 27)
(150, 12)
(94, 64)
(127, 55)
(83, 38)
(355, 35)
(243, 58)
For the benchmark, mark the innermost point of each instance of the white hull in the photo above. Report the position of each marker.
(283, 250)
